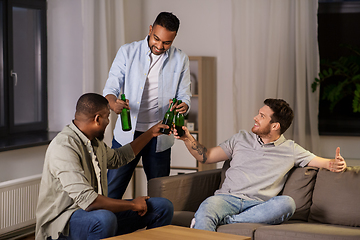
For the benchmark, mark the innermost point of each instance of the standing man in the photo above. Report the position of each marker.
(73, 202)
(259, 163)
(150, 72)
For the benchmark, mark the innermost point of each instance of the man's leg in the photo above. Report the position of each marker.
(213, 209)
(118, 179)
(97, 224)
(274, 211)
(156, 164)
(159, 213)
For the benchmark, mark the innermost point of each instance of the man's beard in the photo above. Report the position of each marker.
(262, 132)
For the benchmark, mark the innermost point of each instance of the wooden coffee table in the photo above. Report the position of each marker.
(178, 233)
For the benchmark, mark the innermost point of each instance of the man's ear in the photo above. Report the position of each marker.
(276, 126)
(150, 29)
(97, 119)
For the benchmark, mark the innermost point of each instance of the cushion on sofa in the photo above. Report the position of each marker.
(292, 230)
(336, 197)
(243, 229)
(182, 218)
(299, 186)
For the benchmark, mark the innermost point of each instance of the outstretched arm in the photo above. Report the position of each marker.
(199, 151)
(141, 141)
(335, 165)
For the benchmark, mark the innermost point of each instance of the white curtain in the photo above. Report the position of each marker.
(103, 23)
(104, 32)
(83, 39)
(276, 56)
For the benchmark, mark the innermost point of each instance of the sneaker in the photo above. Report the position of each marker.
(192, 224)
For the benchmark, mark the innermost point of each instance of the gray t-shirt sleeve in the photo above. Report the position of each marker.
(229, 145)
(301, 156)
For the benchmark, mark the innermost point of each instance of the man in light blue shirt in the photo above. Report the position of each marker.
(150, 73)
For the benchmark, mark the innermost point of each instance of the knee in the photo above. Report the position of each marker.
(161, 204)
(212, 202)
(105, 221)
(288, 203)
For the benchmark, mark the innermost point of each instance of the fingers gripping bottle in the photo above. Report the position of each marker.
(168, 118)
(179, 122)
(125, 117)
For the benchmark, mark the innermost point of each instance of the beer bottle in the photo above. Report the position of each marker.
(125, 117)
(179, 122)
(168, 118)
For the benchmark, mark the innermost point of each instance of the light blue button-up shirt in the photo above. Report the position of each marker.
(128, 74)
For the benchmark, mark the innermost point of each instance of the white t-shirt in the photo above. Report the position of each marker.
(149, 112)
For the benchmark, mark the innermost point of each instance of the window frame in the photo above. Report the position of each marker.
(11, 134)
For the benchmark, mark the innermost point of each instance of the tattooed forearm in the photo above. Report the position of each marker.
(201, 150)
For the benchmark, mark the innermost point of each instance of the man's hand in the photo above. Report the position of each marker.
(116, 104)
(119, 105)
(182, 107)
(140, 205)
(338, 164)
(155, 130)
(186, 136)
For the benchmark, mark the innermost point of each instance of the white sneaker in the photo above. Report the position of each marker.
(192, 224)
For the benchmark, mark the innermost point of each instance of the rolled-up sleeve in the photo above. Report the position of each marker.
(120, 156)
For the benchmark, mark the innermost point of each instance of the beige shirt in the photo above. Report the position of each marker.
(69, 181)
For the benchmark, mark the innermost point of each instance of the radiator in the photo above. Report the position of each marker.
(18, 199)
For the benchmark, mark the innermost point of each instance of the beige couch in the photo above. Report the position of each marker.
(328, 204)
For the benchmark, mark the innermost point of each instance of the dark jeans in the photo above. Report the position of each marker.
(99, 224)
(155, 165)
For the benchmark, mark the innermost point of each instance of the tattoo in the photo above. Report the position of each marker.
(201, 150)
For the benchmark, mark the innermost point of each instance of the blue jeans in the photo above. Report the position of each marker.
(155, 165)
(99, 224)
(226, 209)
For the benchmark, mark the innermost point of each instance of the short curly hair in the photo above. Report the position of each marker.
(91, 104)
(283, 113)
(168, 21)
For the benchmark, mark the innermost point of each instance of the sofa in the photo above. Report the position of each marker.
(327, 203)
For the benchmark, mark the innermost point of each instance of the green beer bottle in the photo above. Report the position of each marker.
(179, 122)
(125, 117)
(168, 118)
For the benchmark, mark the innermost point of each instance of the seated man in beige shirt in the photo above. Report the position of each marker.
(73, 202)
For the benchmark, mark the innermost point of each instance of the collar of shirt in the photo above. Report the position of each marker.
(81, 135)
(279, 141)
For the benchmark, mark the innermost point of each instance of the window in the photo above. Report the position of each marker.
(338, 24)
(23, 68)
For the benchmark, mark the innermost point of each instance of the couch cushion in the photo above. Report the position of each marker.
(182, 218)
(243, 229)
(299, 186)
(336, 197)
(309, 231)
